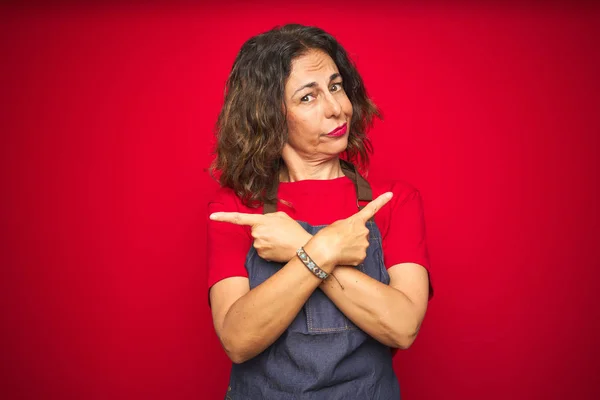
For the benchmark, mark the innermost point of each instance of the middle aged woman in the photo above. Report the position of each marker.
(313, 284)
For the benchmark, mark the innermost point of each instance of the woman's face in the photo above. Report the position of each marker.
(318, 110)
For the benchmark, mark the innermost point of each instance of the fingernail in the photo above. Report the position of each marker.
(213, 216)
(389, 195)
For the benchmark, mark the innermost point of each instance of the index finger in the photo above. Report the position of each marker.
(236, 218)
(371, 209)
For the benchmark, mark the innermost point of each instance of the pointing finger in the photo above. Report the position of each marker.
(237, 218)
(371, 209)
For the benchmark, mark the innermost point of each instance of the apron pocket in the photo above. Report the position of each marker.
(323, 316)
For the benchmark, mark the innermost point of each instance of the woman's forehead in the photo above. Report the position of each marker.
(312, 63)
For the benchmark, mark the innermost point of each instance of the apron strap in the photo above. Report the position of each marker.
(363, 189)
(270, 206)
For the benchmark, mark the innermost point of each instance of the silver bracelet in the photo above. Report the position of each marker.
(310, 264)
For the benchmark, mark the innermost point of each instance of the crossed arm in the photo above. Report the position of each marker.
(248, 321)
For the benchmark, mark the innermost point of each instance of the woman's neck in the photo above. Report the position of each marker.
(321, 170)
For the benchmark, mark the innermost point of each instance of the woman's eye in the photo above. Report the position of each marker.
(335, 87)
(306, 98)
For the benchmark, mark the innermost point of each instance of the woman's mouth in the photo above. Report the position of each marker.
(339, 131)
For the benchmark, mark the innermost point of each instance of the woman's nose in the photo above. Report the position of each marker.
(332, 106)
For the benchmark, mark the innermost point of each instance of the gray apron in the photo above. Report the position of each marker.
(322, 354)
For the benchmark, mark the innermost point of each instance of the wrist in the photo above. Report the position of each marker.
(330, 279)
(320, 255)
(299, 242)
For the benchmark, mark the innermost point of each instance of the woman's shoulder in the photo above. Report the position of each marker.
(401, 189)
(225, 199)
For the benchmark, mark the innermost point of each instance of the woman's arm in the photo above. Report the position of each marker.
(248, 321)
(390, 314)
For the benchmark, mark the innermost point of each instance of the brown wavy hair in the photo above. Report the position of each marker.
(251, 129)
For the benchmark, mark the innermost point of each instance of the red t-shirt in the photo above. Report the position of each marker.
(320, 202)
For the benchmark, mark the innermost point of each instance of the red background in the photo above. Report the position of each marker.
(106, 121)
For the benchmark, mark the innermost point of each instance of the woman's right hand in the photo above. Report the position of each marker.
(345, 241)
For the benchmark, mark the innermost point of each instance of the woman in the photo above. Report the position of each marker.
(303, 300)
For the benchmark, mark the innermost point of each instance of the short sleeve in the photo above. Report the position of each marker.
(227, 244)
(405, 240)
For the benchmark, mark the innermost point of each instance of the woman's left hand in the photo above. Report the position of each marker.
(276, 235)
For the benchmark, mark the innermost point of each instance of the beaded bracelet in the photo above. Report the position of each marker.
(310, 264)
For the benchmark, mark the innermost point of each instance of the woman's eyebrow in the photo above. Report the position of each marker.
(308, 85)
(313, 84)
(335, 76)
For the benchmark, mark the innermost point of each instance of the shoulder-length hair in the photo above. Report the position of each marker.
(251, 129)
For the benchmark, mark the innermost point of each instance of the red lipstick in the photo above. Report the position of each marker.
(339, 131)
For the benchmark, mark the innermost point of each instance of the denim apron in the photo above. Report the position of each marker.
(322, 355)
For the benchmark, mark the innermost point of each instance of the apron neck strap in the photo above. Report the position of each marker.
(363, 189)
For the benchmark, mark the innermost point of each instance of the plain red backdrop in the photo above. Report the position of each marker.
(106, 121)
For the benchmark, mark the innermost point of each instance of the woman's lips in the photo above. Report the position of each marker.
(339, 131)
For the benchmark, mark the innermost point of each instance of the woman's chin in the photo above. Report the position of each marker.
(340, 145)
